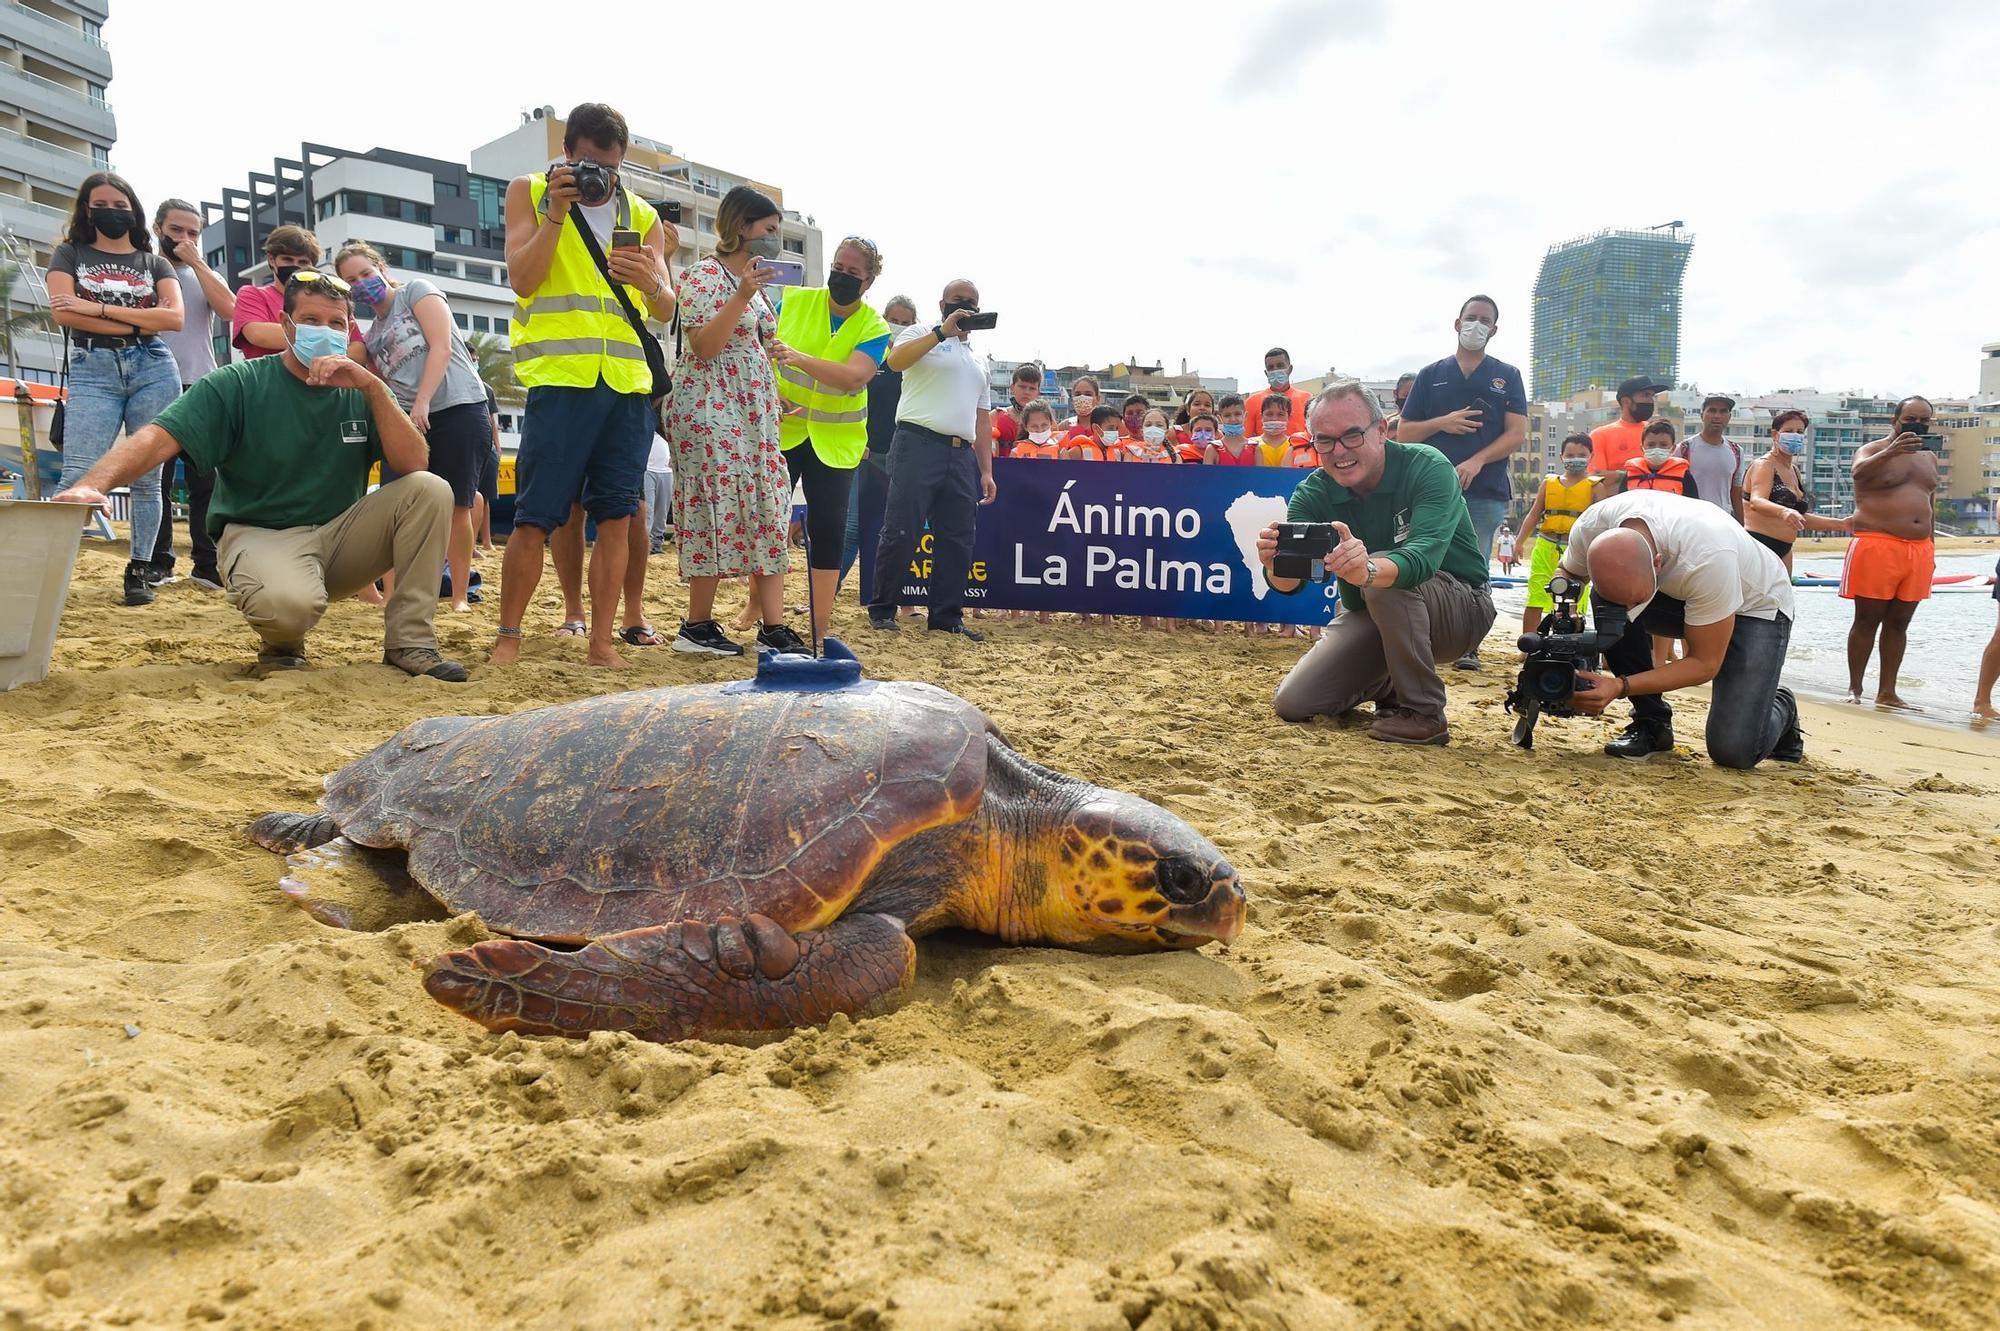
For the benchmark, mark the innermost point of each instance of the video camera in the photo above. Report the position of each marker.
(1560, 648)
(1302, 550)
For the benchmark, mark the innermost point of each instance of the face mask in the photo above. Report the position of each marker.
(1576, 466)
(952, 307)
(1277, 378)
(1275, 427)
(110, 223)
(279, 274)
(371, 290)
(1040, 436)
(1153, 434)
(1204, 436)
(310, 342)
(1234, 429)
(843, 288)
(1794, 444)
(1642, 411)
(1473, 335)
(1132, 424)
(1110, 438)
(1657, 457)
(764, 247)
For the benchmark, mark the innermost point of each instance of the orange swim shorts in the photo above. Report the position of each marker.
(1881, 567)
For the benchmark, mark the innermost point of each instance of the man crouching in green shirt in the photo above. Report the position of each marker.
(1412, 578)
(290, 439)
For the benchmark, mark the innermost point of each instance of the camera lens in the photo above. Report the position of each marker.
(1552, 681)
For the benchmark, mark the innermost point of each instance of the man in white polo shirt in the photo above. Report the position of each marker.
(940, 464)
(1684, 569)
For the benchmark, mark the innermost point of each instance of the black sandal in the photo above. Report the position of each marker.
(641, 635)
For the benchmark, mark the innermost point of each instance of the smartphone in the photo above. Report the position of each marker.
(1933, 443)
(979, 322)
(673, 210)
(785, 272)
(625, 240)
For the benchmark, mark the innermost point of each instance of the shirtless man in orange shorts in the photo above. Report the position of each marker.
(1893, 555)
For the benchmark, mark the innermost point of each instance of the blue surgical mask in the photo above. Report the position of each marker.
(311, 341)
(371, 290)
(1277, 378)
(1794, 444)
(1234, 429)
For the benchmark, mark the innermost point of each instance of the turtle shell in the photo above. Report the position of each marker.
(657, 805)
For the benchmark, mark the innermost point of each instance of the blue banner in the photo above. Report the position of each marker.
(1116, 538)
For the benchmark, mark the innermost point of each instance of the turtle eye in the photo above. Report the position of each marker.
(1181, 880)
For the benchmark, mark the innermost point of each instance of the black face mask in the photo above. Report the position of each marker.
(952, 307)
(110, 223)
(845, 288)
(1642, 411)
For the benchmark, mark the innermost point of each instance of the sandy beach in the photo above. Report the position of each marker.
(1510, 1040)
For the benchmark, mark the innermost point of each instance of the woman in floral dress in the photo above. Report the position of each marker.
(731, 490)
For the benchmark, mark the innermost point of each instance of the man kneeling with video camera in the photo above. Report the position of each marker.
(1389, 521)
(1684, 569)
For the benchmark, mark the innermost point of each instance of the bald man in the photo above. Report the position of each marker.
(1684, 569)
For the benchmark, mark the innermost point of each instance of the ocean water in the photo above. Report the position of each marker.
(1940, 671)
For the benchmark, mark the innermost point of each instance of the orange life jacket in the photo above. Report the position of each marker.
(1671, 477)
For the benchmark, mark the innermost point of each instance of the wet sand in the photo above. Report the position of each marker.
(1510, 1040)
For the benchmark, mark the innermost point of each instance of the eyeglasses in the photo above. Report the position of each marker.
(315, 275)
(1351, 440)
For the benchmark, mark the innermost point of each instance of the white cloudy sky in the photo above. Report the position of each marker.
(1199, 180)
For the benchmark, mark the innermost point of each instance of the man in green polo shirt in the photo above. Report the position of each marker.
(1412, 576)
(290, 439)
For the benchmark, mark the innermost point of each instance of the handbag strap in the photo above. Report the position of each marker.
(63, 375)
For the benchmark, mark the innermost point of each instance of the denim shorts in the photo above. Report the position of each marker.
(586, 445)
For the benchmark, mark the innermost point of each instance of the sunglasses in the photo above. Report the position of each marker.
(310, 275)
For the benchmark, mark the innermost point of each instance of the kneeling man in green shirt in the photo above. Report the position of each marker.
(290, 439)
(1412, 577)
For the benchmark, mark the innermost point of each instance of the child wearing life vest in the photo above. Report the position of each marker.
(1558, 504)
(1101, 444)
(1278, 447)
(1038, 432)
(1230, 448)
(1201, 434)
(1152, 445)
(1656, 467)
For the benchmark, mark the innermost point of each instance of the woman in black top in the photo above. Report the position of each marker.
(1776, 504)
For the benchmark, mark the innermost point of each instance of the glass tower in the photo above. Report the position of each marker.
(1608, 307)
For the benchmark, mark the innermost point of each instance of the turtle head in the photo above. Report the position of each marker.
(1124, 875)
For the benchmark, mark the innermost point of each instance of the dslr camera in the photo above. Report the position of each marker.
(593, 181)
(1562, 646)
(1302, 550)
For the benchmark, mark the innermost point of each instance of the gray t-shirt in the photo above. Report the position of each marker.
(396, 344)
(194, 345)
(1716, 468)
(121, 281)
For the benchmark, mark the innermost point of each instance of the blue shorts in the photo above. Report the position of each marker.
(585, 445)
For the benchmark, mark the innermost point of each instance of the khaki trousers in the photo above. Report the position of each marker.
(283, 578)
(1388, 653)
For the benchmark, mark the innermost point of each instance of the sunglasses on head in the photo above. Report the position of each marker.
(315, 275)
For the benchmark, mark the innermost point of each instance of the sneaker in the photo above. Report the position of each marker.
(207, 577)
(657, 548)
(138, 584)
(272, 656)
(424, 661)
(1470, 661)
(962, 631)
(705, 637)
(1641, 740)
(160, 575)
(1792, 744)
(1399, 725)
(883, 623)
(780, 638)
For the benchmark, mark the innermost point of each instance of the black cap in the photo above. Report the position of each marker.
(1644, 383)
(1714, 398)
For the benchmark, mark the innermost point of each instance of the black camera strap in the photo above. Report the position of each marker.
(656, 357)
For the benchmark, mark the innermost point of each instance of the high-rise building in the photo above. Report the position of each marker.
(55, 128)
(1608, 307)
(1989, 372)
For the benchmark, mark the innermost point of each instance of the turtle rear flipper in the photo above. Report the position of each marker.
(679, 981)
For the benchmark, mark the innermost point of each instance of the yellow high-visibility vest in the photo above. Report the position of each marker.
(572, 331)
(837, 423)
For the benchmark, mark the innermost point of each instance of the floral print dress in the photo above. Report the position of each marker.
(732, 493)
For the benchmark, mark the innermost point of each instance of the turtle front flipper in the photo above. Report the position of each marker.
(679, 981)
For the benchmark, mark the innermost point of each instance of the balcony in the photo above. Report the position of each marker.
(36, 31)
(59, 169)
(69, 108)
(33, 221)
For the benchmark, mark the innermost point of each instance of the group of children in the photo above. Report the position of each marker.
(1204, 430)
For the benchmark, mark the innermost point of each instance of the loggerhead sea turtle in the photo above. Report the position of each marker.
(752, 856)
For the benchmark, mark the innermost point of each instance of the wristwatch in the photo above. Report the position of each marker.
(937, 331)
(1368, 578)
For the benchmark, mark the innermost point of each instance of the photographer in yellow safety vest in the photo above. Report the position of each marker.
(829, 346)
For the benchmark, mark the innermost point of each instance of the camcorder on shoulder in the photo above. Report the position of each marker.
(1302, 550)
(1556, 652)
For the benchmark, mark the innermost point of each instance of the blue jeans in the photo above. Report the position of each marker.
(1487, 515)
(109, 388)
(1748, 714)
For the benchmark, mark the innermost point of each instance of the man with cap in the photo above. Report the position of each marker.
(1715, 462)
(1616, 443)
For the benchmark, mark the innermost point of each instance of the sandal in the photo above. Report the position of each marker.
(641, 635)
(573, 628)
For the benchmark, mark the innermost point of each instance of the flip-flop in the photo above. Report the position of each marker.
(640, 635)
(573, 628)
